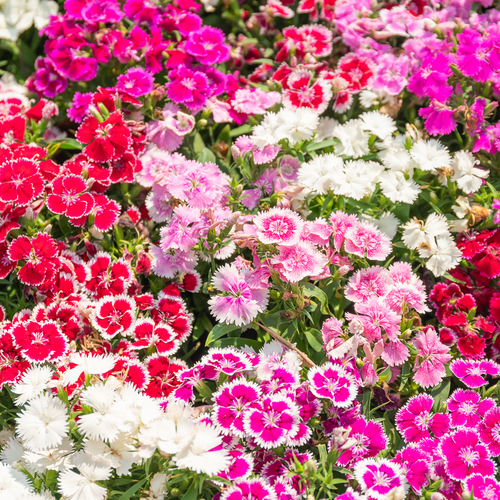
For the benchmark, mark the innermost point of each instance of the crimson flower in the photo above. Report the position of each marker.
(68, 197)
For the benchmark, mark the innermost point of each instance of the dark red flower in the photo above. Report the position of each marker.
(12, 128)
(471, 346)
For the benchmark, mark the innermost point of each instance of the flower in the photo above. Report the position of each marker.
(207, 46)
(250, 489)
(279, 226)
(333, 382)
(68, 197)
(114, 315)
(467, 408)
(468, 178)
(484, 487)
(43, 423)
(33, 383)
(297, 262)
(378, 477)
(353, 139)
(472, 373)
(365, 237)
(431, 359)
(301, 92)
(416, 234)
(382, 126)
(136, 82)
(188, 87)
(430, 155)
(13, 483)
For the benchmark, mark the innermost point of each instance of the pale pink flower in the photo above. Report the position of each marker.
(254, 101)
(367, 238)
(298, 262)
(368, 283)
(341, 222)
(280, 226)
(395, 353)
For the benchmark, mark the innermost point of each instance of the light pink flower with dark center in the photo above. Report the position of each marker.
(472, 373)
(415, 421)
(378, 477)
(332, 382)
(279, 226)
(272, 423)
(464, 455)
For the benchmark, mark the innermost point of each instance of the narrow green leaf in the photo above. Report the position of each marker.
(219, 331)
(133, 489)
(314, 338)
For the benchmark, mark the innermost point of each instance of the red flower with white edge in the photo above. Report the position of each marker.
(303, 93)
(69, 197)
(161, 336)
(106, 212)
(123, 169)
(191, 282)
(172, 311)
(12, 129)
(12, 365)
(40, 256)
(105, 141)
(164, 375)
(107, 277)
(276, 9)
(39, 342)
(68, 319)
(356, 70)
(9, 217)
(113, 316)
(310, 39)
(6, 265)
(20, 179)
(130, 370)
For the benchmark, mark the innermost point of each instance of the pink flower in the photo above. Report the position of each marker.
(472, 373)
(416, 467)
(47, 79)
(136, 82)
(276, 420)
(332, 382)
(250, 489)
(366, 238)
(240, 303)
(317, 232)
(187, 87)
(415, 420)
(207, 46)
(438, 116)
(489, 431)
(484, 488)
(254, 101)
(467, 408)
(341, 222)
(431, 359)
(464, 455)
(300, 261)
(395, 353)
(228, 360)
(378, 477)
(366, 439)
(368, 283)
(79, 106)
(278, 226)
(159, 336)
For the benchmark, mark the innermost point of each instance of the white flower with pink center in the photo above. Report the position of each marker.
(279, 225)
(332, 382)
(232, 400)
(299, 261)
(276, 420)
(366, 239)
(379, 477)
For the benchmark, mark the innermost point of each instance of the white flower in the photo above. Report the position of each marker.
(353, 139)
(430, 155)
(319, 173)
(177, 410)
(468, 177)
(443, 255)
(58, 459)
(200, 456)
(396, 187)
(10, 89)
(157, 487)
(459, 225)
(378, 124)
(120, 454)
(13, 484)
(415, 233)
(33, 382)
(12, 453)
(266, 132)
(297, 125)
(91, 364)
(356, 180)
(325, 128)
(81, 486)
(462, 208)
(399, 160)
(43, 423)
(173, 437)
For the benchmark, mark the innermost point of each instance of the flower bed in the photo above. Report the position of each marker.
(249, 251)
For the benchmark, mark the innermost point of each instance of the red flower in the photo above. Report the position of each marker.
(123, 169)
(471, 346)
(12, 366)
(20, 179)
(302, 93)
(68, 319)
(40, 256)
(12, 128)
(39, 342)
(357, 71)
(130, 370)
(164, 375)
(144, 302)
(160, 336)
(107, 277)
(106, 212)
(105, 141)
(114, 315)
(68, 197)
(8, 219)
(172, 311)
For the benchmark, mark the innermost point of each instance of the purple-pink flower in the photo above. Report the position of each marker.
(250, 489)
(136, 82)
(207, 46)
(467, 408)
(484, 487)
(472, 373)
(188, 87)
(489, 431)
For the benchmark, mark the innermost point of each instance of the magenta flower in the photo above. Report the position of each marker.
(467, 408)
(300, 261)
(484, 488)
(415, 421)
(278, 226)
(232, 400)
(207, 46)
(434, 72)
(477, 57)
(188, 87)
(79, 106)
(438, 116)
(240, 303)
(472, 373)
(416, 467)
(47, 79)
(250, 489)
(332, 382)
(489, 431)
(366, 439)
(366, 238)
(431, 359)
(71, 59)
(464, 455)
(102, 11)
(136, 82)
(378, 477)
(350, 494)
(276, 420)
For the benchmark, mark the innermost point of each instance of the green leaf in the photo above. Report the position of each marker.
(206, 155)
(310, 290)
(449, 277)
(244, 129)
(238, 342)
(69, 144)
(133, 489)
(192, 492)
(219, 331)
(440, 394)
(315, 339)
(320, 145)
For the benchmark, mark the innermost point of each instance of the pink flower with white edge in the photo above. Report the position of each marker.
(378, 478)
(332, 382)
(250, 489)
(367, 283)
(489, 431)
(484, 488)
(367, 239)
(114, 315)
(467, 408)
(317, 232)
(240, 465)
(299, 261)
(273, 422)
(415, 420)
(464, 455)
(416, 466)
(279, 226)
(350, 494)
(232, 400)
(227, 360)
(472, 373)
(341, 222)
(241, 303)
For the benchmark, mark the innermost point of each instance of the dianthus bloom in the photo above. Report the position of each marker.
(431, 359)
(136, 82)
(378, 477)
(240, 302)
(472, 373)
(333, 382)
(207, 46)
(300, 261)
(366, 238)
(187, 87)
(250, 489)
(279, 225)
